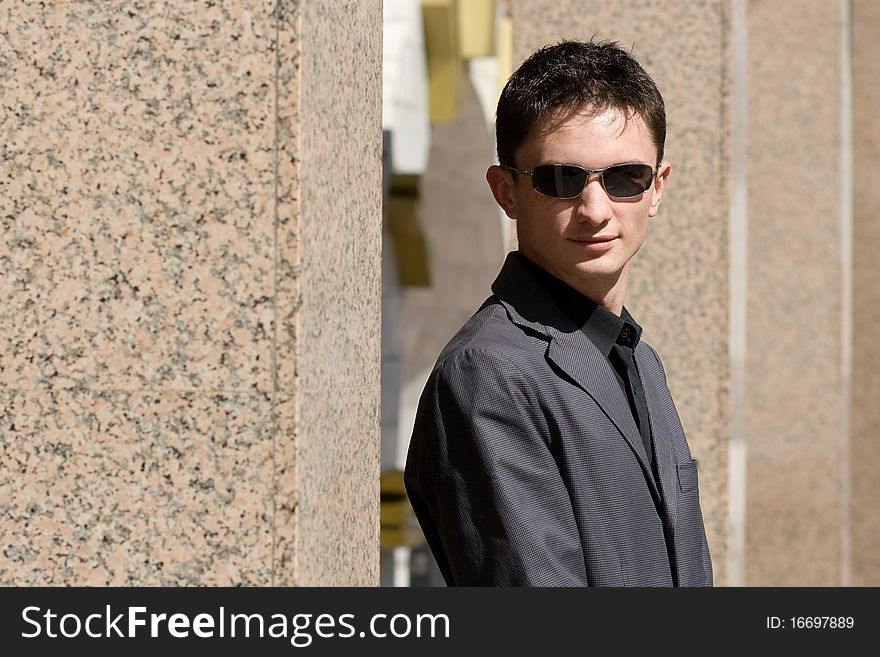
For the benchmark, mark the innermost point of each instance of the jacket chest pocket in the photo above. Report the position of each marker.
(687, 476)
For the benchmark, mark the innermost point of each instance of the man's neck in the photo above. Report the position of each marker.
(608, 292)
(610, 295)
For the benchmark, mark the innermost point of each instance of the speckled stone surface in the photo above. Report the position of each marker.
(135, 488)
(679, 282)
(795, 419)
(137, 196)
(338, 337)
(865, 440)
(159, 292)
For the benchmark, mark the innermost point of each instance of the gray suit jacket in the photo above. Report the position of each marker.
(526, 467)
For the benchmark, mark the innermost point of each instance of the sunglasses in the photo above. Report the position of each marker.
(568, 180)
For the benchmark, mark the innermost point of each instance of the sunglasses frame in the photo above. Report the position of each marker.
(589, 173)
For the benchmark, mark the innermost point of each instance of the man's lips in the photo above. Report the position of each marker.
(596, 244)
(597, 239)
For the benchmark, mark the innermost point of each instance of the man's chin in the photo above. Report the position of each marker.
(593, 268)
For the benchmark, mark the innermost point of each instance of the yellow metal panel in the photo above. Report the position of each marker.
(505, 51)
(476, 28)
(445, 66)
(391, 483)
(398, 523)
(392, 538)
(410, 245)
(393, 513)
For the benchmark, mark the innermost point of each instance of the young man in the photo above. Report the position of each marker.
(547, 450)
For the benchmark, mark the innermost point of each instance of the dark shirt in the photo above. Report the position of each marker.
(615, 337)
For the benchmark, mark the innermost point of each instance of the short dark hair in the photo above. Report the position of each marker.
(573, 75)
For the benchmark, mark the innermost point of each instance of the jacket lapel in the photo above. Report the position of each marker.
(660, 435)
(529, 306)
(583, 362)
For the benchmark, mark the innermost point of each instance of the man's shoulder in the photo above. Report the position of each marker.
(650, 357)
(491, 334)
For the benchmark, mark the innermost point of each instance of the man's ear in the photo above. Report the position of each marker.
(501, 183)
(659, 185)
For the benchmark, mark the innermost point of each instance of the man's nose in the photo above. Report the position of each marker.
(594, 206)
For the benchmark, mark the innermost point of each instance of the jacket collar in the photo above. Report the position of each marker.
(529, 306)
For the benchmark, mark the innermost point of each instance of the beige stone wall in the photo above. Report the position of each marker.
(189, 335)
(338, 338)
(679, 282)
(865, 445)
(796, 418)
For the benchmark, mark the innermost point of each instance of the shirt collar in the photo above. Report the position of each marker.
(601, 326)
(630, 332)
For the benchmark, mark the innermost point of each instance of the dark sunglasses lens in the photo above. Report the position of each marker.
(559, 180)
(627, 180)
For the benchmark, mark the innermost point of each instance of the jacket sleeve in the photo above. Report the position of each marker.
(483, 481)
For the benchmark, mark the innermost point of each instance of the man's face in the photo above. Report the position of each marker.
(586, 241)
